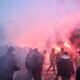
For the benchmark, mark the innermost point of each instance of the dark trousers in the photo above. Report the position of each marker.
(6, 79)
(37, 73)
(78, 73)
(65, 78)
(52, 65)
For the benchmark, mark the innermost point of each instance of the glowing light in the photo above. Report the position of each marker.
(57, 49)
(67, 45)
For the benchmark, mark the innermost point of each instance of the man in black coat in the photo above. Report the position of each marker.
(78, 67)
(65, 67)
(8, 65)
(34, 64)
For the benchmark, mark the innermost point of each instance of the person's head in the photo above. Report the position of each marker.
(30, 50)
(65, 53)
(78, 52)
(35, 50)
(62, 49)
(52, 50)
(10, 50)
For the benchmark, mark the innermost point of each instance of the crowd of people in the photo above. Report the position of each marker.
(34, 62)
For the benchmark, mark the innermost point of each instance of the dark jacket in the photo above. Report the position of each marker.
(78, 73)
(78, 69)
(7, 67)
(65, 66)
(34, 60)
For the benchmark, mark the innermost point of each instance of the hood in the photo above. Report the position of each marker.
(65, 57)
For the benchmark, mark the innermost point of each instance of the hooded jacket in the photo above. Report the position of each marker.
(65, 66)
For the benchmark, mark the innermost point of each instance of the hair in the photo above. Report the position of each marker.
(35, 50)
(62, 49)
(78, 52)
(10, 49)
(65, 53)
(53, 49)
